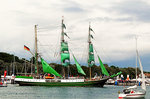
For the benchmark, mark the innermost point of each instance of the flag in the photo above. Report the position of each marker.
(26, 48)
(5, 72)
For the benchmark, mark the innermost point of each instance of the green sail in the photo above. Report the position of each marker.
(91, 60)
(91, 57)
(64, 46)
(49, 69)
(104, 71)
(91, 48)
(65, 57)
(35, 63)
(80, 70)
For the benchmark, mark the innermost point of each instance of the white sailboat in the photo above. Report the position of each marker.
(133, 92)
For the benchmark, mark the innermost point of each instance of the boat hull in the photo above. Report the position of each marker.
(97, 83)
(139, 95)
(4, 85)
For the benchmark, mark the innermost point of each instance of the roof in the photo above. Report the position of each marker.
(147, 75)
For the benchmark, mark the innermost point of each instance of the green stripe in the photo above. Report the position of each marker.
(24, 77)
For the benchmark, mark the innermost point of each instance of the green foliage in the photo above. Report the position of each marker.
(6, 57)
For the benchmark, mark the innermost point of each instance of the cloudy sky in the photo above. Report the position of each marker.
(115, 22)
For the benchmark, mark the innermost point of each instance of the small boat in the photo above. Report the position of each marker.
(3, 84)
(133, 92)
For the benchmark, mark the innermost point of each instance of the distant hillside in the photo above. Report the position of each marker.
(9, 58)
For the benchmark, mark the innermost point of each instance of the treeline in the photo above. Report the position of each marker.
(96, 70)
(21, 66)
(8, 58)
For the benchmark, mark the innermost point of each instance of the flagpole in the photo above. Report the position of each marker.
(31, 53)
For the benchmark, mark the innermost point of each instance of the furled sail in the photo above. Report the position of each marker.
(80, 70)
(143, 76)
(104, 71)
(49, 69)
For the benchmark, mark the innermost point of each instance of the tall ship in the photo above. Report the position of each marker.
(63, 80)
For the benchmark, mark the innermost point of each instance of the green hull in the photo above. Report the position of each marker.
(98, 83)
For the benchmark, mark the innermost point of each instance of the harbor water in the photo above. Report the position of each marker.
(37, 92)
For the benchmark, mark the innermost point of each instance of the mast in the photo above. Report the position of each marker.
(31, 65)
(89, 42)
(136, 59)
(25, 68)
(36, 51)
(62, 40)
(62, 30)
(14, 66)
(64, 51)
(91, 59)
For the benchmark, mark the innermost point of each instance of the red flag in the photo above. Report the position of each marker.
(26, 48)
(5, 73)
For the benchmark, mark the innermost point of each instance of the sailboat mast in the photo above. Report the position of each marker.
(136, 59)
(62, 40)
(36, 51)
(89, 42)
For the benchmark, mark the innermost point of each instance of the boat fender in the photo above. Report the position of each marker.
(132, 91)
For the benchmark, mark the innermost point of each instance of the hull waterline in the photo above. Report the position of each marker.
(97, 83)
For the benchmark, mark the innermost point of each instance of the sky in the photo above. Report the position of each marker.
(116, 23)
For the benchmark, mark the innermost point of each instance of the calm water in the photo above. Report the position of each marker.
(36, 92)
